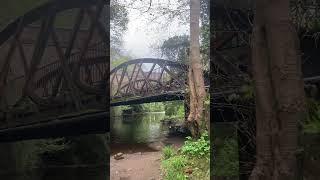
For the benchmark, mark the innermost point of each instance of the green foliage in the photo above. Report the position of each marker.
(201, 168)
(118, 23)
(53, 145)
(205, 46)
(312, 124)
(207, 100)
(226, 160)
(248, 91)
(174, 109)
(313, 108)
(174, 168)
(119, 60)
(168, 152)
(197, 148)
(194, 157)
(313, 127)
(153, 107)
(176, 48)
(138, 108)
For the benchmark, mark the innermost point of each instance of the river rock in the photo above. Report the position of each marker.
(118, 156)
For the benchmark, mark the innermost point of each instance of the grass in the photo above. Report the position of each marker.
(191, 161)
(183, 167)
(312, 127)
(226, 160)
(168, 152)
(174, 168)
(312, 123)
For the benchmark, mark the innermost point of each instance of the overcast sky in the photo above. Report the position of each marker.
(143, 34)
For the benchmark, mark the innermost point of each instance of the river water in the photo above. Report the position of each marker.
(140, 132)
(138, 128)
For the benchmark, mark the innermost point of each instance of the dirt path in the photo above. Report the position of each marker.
(137, 166)
(141, 161)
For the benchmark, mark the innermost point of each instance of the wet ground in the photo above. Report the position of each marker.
(137, 166)
(140, 138)
(140, 161)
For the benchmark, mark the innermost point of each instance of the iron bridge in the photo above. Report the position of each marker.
(54, 71)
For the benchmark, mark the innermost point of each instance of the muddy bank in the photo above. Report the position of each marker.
(137, 166)
(141, 161)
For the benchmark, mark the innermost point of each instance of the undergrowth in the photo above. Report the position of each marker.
(312, 124)
(191, 161)
(226, 159)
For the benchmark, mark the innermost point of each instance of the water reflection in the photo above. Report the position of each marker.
(137, 128)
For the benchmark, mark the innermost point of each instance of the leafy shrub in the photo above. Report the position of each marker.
(312, 124)
(173, 168)
(174, 109)
(168, 152)
(197, 148)
(194, 157)
(226, 161)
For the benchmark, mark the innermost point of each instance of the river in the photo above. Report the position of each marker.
(138, 128)
(140, 137)
(140, 132)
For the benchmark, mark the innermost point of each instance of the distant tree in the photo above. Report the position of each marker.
(205, 33)
(176, 48)
(118, 24)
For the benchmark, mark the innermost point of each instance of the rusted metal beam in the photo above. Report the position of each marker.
(121, 79)
(23, 58)
(131, 77)
(146, 78)
(6, 65)
(66, 72)
(105, 34)
(38, 52)
(170, 96)
(90, 123)
(70, 46)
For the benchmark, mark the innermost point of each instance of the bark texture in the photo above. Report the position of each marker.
(196, 81)
(280, 102)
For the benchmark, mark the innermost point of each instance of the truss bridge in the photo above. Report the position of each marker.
(54, 71)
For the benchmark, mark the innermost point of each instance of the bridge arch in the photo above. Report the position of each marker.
(147, 80)
(53, 66)
(38, 51)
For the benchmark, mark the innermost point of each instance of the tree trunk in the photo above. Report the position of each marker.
(279, 91)
(196, 82)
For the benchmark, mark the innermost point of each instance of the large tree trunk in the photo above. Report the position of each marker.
(279, 91)
(196, 82)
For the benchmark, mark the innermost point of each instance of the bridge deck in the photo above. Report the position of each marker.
(68, 125)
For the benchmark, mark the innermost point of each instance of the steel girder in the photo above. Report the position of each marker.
(55, 62)
(147, 77)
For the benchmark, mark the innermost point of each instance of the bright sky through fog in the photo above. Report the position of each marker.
(142, 34)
